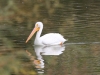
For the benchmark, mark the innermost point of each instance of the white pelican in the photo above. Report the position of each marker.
(47, 39)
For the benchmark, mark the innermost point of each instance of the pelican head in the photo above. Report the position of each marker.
(38, 27)
(39, 24)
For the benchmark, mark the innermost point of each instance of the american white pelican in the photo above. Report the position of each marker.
(47, 39)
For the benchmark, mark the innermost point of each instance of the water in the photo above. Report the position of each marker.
(78, 21)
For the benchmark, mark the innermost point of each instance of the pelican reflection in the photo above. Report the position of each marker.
(44, 50)
(47, 50)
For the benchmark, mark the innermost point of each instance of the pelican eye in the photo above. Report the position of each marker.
(38, 28)
(37, 25)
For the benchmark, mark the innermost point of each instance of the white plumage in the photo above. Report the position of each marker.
(47, 39)
(50, 39)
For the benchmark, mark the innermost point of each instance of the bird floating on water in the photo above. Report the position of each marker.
(47, 39)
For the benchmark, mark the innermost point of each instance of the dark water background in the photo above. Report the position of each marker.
(77, 20)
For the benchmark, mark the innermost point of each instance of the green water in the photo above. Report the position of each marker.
(78, 21)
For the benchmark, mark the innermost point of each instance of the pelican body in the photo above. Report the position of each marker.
(47, 39)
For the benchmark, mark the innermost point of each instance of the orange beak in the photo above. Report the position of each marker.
(32, 33)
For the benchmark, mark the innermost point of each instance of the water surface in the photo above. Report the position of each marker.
(78, 21)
